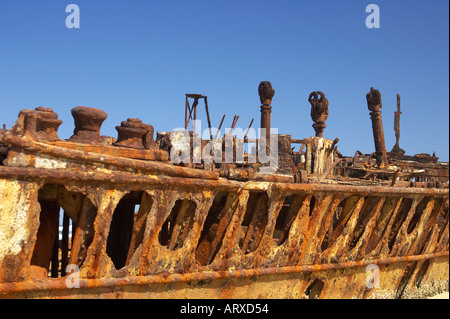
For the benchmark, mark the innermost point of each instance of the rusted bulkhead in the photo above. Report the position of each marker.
(137, 225)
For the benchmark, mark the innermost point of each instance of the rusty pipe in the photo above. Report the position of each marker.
(60, 283)
(374, 105)
(266, 93)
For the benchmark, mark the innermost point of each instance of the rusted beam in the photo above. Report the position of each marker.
(397, 122)
(47, 238)
(360, 190)
(186, 116)
(298, 141)
(374, 105)
(128, 179)
(235, 119)
(59, 148)
(133, 180)
(60, 284)
(394, 178)
(82, 156)
(249, 126)
(396, 151)
(194, 106)
(220, 126)
(207, 117)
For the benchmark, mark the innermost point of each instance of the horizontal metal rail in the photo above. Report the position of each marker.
(57, 175)
(60, 283)
(156, 167)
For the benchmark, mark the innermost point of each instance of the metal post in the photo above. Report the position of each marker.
(266, 93)
(374, 105)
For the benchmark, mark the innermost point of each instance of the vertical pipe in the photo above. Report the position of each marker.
(207, 116)
(265, 119)
(65, 245)
(374, 105)
(194, 106)
(235, 119)
(250, 125)
(186, 120)
(266, 93)
(220, 126)
(380, 148)
(397, 122)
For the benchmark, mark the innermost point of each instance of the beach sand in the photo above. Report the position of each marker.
(444, 295)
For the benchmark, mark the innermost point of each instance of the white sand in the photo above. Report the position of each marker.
(443, 295)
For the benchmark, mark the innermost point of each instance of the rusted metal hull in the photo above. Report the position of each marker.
(347, 282)
(304, 240)
(96, 217)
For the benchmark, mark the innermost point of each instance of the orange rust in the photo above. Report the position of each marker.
(143, 226)
(60, 284)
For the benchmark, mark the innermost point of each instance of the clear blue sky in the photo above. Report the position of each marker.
(138, 58)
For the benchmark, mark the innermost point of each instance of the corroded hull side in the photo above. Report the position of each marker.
(200, 238)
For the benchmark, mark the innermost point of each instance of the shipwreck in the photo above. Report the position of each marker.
(102, 217)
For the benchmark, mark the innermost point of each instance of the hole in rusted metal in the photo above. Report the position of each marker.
(46, 248)
(3, 151)
(286, 216)
(281, 221)
(140, 221)
(340, 218)
(417, 214)
(312, 204)
(366, 213)
(399, 219)
(215, 225)
(121, 229)
(178, 224)
(382, 222)
(314, 289)
(255, 222)
(59, 237)
(442, 214)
